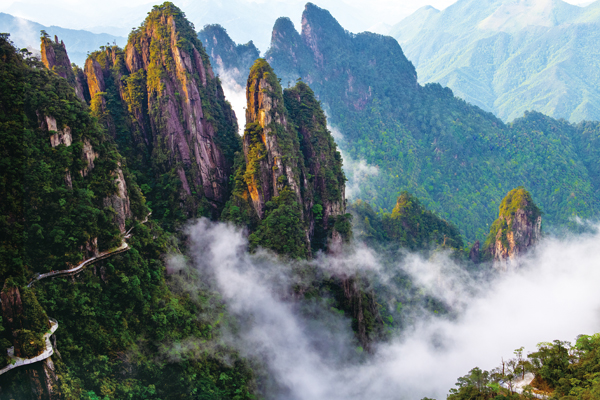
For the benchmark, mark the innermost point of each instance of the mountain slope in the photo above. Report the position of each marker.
(455, 157)
(67, 194)
(509, 57)
(225, 55)
(161, 101)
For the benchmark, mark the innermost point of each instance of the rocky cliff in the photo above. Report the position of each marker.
(516, 230)
(291, 172)
(55, 58)
(290, 189)
(162, 102)
(327, 201)
(271, 147)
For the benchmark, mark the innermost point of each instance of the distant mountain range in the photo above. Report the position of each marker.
(509, 56)
(458, 159)
(26, 34)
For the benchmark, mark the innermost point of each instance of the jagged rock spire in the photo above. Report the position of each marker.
(291, 174)
(516, 230)
(55, 58)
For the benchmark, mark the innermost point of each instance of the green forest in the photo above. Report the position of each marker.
(456, 158)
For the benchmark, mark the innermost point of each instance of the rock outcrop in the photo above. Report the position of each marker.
(23, 317)
(516, 230)
(291, 167)
(55, 58)
(95, 78)
(62, 136)
(326, 199)
(119, 201)
(271, 147)
(161, 90)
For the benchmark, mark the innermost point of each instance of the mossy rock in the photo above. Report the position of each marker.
(30, 343)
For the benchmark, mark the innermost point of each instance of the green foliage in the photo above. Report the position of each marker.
(322, 161)
(122, 327)
(457, 159)
(519, 199)
(281, 230)
(549, 67)
(567, 371)
(126, 332)
(34, 316)
(31, 343)
(342, 224)
(46, 222)
(410, 225)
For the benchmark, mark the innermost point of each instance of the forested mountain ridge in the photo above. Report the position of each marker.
(509, 57)
(161, 101)
(147, 323)
(456, 158)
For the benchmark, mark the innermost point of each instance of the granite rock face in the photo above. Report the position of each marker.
(55, 58)
(288, 151)
(119, 201)
(271, 146)
(517, 229)
(176, 112)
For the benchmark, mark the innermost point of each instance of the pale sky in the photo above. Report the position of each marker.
(244, 19)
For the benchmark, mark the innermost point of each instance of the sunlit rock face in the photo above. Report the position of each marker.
(290, 165)
(174, 107)
(517, 229)
(55, 58)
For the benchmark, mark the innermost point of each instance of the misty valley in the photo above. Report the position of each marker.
(185, 217)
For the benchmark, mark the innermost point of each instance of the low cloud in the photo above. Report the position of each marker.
(235, 94)
(357, 171)
(313, 356)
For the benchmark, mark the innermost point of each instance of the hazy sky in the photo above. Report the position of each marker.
(244, 19)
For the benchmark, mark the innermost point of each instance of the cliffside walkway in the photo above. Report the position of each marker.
(18, 361)
(122, 248)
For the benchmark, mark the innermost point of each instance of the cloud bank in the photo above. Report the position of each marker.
(553, 296)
